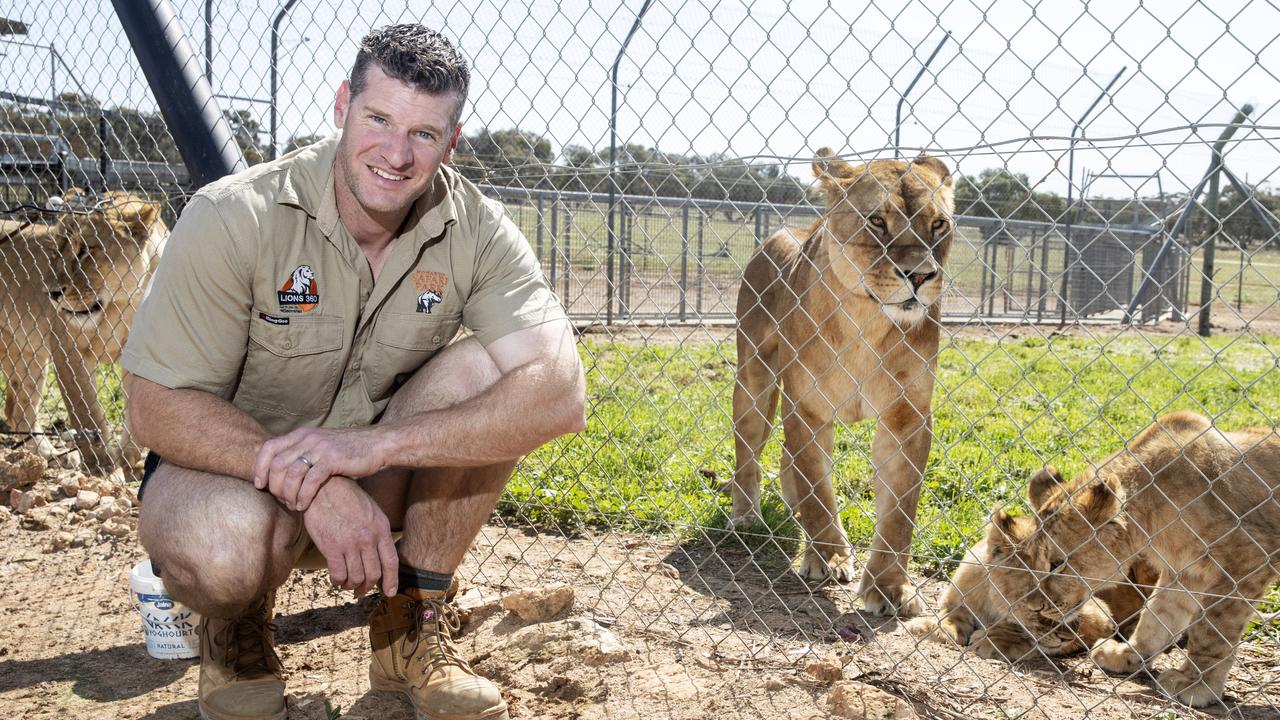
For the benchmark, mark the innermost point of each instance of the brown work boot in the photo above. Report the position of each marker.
(240, 675)
(413, 653)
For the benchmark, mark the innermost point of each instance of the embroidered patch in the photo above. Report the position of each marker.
(431, 286)
(300, 292)
(274, 319)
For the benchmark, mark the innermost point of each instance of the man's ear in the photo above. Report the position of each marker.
(453, 142)
(342, 104)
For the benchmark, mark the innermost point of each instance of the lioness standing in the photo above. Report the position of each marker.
(843, 318)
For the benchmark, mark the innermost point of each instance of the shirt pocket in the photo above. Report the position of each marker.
(292, 369)
(402, 343)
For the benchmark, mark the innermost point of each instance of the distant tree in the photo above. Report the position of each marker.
(997, 192)
(505, 157)
(249, 135)
(298, 141)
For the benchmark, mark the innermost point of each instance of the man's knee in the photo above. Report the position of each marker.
(219, 542)
(459, 372)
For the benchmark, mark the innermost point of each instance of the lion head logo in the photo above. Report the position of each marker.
(301, 279)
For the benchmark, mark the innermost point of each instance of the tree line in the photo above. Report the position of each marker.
(515, 157)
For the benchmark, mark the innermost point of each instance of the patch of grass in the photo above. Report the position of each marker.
(658, 442)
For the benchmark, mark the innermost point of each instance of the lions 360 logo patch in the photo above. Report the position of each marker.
(431, 287)
(300, 292)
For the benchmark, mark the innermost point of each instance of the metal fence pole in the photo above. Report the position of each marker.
(897, 118)
(684, 262)
(1068, 260)
(613, 156)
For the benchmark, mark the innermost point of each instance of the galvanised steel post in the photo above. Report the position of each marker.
(1068, 259)
(613, 161)
(1211, 207)
(186, 101)
(897, 118)
(275, 73)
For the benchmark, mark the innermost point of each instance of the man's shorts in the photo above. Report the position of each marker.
(309, 556)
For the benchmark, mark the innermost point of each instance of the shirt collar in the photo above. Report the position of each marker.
(308, 185)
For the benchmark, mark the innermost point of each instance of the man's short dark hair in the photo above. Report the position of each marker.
(415, 55)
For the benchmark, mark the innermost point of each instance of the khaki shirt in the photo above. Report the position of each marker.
(263, 298)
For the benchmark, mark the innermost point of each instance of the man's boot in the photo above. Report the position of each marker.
(240, 675)
(413, 653)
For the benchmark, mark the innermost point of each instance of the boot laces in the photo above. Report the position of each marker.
(442, 620)
(246, 644)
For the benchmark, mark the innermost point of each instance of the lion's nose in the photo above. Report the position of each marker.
(917, 278)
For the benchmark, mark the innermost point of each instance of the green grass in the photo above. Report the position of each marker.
(658, 441)
(659, 434)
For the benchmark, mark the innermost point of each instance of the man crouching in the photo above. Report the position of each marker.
(306, 402)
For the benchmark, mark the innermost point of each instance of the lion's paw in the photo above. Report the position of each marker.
(836, 565)
(901, 599)
(1116, 657)
(746, 519)
(1188, 687)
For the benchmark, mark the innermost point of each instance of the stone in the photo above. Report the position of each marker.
(773, 683)
(70, 484)
(108, 507)
(5, 513)
(45, 517)
(580, 637)
(87, 499)
(68, 460)
(852, 699)
(20, 469)
(28, 500)
(84, 538)
(116, 527)
(825, 670)
(539, 604)
(61, 541)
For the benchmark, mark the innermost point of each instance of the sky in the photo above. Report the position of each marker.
(768, 80)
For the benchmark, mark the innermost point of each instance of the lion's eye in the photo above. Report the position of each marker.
(877, 221)
(939, 225)
(1056, 565)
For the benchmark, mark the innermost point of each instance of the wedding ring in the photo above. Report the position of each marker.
(303, 459)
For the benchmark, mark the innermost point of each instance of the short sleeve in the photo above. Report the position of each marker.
(510, 292)
(191, 330)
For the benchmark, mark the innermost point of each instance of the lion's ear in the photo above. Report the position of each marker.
(135, 213)
(1098, 504)
(827, 165)
(1044, 480)
(1004, 532)
(936, 165)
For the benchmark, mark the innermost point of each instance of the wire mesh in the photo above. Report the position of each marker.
(1099, 278)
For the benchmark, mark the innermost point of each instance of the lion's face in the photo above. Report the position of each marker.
(1053, 562)
(104, 252)
(889, 228)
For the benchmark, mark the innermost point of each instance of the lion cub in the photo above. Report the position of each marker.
(1200, 506)
(974, 613)
(69, 298)
(841, 320)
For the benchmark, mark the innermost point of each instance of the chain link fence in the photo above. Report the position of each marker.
(1099, 279)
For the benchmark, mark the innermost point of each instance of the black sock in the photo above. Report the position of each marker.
(412, 577)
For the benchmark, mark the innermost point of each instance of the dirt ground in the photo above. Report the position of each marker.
(705, 629)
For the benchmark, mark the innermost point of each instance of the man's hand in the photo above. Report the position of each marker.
(353, 534)
(294, 466)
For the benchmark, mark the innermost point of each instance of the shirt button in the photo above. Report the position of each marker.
(435, 340)
(356, 365)
(288, 344)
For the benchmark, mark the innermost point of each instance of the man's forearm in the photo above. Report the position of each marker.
(524, 409)
(193, 429)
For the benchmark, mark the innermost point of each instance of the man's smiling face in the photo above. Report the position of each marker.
(394, 139)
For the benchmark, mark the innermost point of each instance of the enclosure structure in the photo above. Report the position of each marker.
(1065, 322)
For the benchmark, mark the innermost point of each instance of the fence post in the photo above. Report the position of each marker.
(684, 262)
(701, 268)
(555, 244)
(539, 233)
